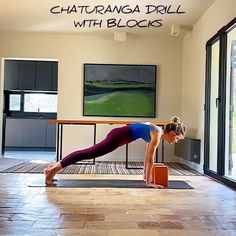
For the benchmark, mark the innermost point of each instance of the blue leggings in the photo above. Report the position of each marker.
(115, 138)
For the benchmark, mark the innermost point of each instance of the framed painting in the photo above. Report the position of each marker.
(120, 90)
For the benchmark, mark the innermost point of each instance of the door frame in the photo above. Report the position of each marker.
(221, 35)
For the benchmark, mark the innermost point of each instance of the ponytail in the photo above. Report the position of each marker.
(176, 126)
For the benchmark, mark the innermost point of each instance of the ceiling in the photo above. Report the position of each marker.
(101, 16)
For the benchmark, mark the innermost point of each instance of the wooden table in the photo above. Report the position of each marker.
(94, 123)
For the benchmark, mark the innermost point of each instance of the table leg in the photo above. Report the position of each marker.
(61, 138)
(58, 141)
(162, 152)
(94, 139)
(127, 159)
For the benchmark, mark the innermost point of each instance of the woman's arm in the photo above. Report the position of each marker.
(150, 155)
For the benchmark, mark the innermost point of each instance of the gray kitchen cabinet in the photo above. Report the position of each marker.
(11, 75)
(14, 131)
(30, 133)
(54, 75)
(27, 75)
(50, 135)
(34, 133)
(43, 76)
(30, 75)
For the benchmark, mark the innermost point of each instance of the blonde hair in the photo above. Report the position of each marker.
(176, 126)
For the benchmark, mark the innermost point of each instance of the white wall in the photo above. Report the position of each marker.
(72, 50)
(193, 92)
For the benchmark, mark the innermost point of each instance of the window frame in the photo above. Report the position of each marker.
(22, 113)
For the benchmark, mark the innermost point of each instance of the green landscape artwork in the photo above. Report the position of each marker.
(119, 90)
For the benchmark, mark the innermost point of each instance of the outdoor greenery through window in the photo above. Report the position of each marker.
(40, 103)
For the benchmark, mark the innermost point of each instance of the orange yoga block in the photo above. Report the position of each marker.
(160, 174)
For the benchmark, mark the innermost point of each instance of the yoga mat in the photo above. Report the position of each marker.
(107, 183)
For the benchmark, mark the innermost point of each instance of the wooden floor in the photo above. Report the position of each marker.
(208, 209)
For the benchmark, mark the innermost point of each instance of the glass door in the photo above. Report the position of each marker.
(220, 105)
(214, 105)
(230, 121)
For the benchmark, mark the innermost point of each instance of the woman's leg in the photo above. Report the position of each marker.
(116, 138)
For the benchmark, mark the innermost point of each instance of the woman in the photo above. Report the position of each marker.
(117, 137)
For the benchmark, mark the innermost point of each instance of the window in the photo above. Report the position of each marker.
(30, 104)
(40, 102)
(15, 100)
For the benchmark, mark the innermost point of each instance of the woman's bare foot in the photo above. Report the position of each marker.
(51, 171)
(46, 172)
(152, 185)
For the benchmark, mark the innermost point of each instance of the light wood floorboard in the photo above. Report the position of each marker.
(208, 209)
